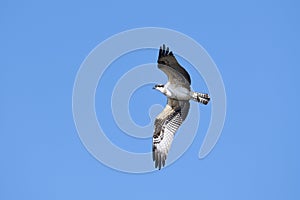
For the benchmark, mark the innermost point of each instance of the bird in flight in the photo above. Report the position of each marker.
(178, 92)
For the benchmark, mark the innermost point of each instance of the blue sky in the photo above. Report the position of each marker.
(255, 45)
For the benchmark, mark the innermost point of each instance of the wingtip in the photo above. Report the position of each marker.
(160, 51)
(164, 51)
(159, 159)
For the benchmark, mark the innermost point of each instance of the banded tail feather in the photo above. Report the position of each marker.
(201, 97)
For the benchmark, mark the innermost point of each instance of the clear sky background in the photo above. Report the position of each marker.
(255, 45)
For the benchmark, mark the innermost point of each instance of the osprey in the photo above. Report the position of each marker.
(178, 92)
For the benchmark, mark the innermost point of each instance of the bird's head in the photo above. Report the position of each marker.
(159, 87)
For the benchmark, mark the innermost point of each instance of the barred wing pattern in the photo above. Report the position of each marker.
(166, 125)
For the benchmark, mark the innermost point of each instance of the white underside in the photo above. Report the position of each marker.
(177, 92)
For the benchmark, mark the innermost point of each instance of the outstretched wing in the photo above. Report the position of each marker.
(166, 125)
(169, 65)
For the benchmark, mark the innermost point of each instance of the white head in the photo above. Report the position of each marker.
(160, 88)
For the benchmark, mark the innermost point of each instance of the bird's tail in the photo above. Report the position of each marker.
(200, 97)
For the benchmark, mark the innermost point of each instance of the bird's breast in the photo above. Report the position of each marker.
(179, 93)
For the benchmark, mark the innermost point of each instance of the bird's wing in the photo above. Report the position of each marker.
(169, 65)
(166, 125)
